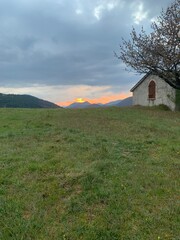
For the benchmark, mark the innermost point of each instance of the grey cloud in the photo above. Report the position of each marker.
(46, 42)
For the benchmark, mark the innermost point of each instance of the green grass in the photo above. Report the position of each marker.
(90, 174)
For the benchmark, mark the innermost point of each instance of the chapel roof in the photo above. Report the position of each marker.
(140, 81)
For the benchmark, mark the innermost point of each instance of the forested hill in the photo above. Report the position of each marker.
(24, 101)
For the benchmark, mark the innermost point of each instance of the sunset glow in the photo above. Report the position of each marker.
(103, 99)
(80, 100)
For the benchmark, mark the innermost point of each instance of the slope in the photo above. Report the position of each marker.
(24, 101)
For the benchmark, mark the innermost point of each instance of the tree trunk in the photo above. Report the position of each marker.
(177, 100)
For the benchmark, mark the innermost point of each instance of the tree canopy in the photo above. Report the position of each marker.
(159, 51)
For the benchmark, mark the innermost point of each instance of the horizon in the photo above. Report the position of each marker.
(102, 100)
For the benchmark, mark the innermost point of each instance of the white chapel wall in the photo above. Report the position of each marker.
(165, 94)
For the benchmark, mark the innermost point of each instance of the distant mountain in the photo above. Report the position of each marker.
(113, 103)
(94, 105)
(24, 101)
(118, 103)
(78, 105)
(83, 105)
(125, 102)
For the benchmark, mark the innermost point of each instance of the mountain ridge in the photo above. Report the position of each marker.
(112, 103)
(125, 102)
(85, 104)
(24, 101)
(118, 103)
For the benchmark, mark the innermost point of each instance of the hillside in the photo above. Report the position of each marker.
(118, 103)
(90, 174)
(125, 102)
(79, 105)
(24, 101)
(83, 105)
(112, 103)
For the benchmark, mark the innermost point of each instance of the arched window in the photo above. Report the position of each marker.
(152, 90)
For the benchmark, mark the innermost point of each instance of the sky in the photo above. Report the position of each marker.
(60, 50)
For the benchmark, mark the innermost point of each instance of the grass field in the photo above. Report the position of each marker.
(90, 174)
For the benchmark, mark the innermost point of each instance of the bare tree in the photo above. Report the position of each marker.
(159, 51)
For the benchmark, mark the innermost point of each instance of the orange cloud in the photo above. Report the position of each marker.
(103, 99)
